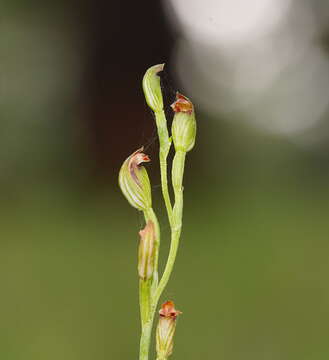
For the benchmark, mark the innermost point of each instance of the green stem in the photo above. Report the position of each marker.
(144, 300)
(146, 334)
(145, 340)
(149, 297)
(177, 180)
(165, 144)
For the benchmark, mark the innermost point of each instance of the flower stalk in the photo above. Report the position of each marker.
(183, 134)
(153, 96)
(135, 185)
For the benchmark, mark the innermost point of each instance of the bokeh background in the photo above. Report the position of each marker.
(252, 273)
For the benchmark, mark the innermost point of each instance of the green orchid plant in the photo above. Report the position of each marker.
(135, 185)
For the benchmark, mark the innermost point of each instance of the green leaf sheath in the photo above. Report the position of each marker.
(149, 214)
(146, 289)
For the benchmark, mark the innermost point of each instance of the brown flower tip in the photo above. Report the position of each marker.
(182, 104)
(135, 160)
(168, 310)
(138, 157)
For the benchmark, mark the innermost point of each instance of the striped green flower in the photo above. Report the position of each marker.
(152, 88)
(184, 124)
(134, 181)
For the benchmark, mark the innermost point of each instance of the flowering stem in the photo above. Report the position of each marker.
(176, 225)
(177, 180)
(165, 143)
(149, 296)
(148, 300)
(135, 185)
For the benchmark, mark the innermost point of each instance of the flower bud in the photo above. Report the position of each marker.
(134, 181)
(166, 330)
(152, 88)
(146, 251)
(184, 124)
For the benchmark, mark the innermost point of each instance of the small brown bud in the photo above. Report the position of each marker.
(182, 104)
(184, 125)
(166, 330)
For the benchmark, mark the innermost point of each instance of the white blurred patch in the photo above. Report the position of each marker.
(257, 59)
(298, 99)
(229, 22)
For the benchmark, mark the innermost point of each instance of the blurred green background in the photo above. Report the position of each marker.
(251, 277)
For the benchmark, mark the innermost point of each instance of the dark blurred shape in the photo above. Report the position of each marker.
(125, 38)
